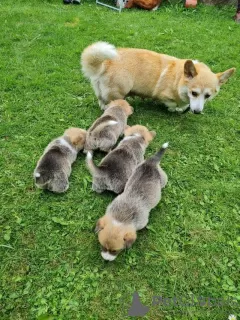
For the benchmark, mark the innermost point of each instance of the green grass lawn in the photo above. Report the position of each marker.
(51, 266)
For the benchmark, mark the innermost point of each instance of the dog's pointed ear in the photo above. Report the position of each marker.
(129, 238)
(223, 76)
(100, 224)
(189, 70)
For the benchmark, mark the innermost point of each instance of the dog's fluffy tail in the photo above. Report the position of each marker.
(157, 156)
(91, 165)
(93, 57)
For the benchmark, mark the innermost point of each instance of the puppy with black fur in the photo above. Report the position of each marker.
(116, 168)
(54, 167)
(105, 131)
(130, 210)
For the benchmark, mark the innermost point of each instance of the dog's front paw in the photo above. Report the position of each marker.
(183, 109)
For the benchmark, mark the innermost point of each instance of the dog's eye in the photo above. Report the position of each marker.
(194, 93)
(207, 96)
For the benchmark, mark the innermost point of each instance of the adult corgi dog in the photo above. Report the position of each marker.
(177, 83)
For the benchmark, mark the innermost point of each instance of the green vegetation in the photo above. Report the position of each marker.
(51, 266)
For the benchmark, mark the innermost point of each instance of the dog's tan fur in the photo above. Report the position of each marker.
(142, 131)
(116, 73)
(102, 134)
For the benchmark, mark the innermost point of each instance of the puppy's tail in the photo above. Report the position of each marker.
(157, 156)
(91, 165)
(93, 57)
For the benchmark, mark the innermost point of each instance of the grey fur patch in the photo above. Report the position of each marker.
(141, 194)
(103, 136)
(54, 167)
(116, 168)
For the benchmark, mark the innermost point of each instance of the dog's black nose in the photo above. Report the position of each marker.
(196, 111)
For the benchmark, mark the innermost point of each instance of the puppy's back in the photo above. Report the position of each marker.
(50, 164)
(148, 176)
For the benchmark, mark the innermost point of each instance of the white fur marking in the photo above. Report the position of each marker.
(128, 138)
(63, 142)
(89, 156)
(116, 223)
(111, 123)
(155, 8)
(107, 256)
(195, 61)
(165, 145)
(37, 175)
(132, 136)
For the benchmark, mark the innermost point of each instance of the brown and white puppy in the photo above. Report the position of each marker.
(105, 131)
(130, 210)
(54, 167)
(177, 83)
(118, 165)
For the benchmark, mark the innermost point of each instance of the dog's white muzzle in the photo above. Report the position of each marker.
(197, 104)
(108, 256)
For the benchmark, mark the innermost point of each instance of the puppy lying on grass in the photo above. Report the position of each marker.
(116, 168)
(130, 210)
(105, 131)
(54, 167)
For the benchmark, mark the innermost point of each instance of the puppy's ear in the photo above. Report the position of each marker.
(100, 224)
(153, 134)
(129, 238)
(189, 70)
(223, 76)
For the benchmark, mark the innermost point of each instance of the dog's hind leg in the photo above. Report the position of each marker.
(163, 178)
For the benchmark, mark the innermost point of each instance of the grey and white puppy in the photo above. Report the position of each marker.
(118, 165)
(130, 210)
(105, 131)
(54, 167)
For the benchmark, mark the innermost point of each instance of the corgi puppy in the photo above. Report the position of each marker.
(105, 131)
(116, 168)
(177, 83)
(130, 210)
(54, 167)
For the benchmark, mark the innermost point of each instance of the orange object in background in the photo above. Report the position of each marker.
(191, 3)
(144, 4)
